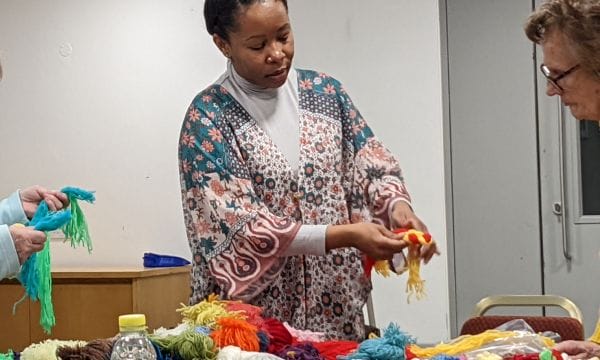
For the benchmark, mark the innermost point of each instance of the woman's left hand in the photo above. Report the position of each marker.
(32, 196)
(404, 217)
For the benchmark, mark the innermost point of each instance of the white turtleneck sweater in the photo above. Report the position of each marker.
(276, 112)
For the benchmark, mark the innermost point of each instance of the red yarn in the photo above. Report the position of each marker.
(408, 354)
(279, 336)
(331, 349)
(253, 313)
(236, 332)
(368, 263)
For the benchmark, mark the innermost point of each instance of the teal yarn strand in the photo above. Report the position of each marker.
(77, 229)
(31, 274)
(389, 347)
(47, 319)
(28, 275)
(79, 193)
(40, 213)
(35, 274)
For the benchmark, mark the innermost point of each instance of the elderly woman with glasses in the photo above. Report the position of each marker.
(569, 34)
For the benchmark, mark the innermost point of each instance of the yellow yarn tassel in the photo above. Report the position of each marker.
(382, 267)
(466, 343)
(414, 284)
(206, 312)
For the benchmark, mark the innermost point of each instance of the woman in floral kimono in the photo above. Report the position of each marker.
(284, 186)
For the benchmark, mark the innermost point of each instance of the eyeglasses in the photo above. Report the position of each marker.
(554, 80)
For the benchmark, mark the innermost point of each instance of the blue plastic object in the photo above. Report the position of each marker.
(157, 260)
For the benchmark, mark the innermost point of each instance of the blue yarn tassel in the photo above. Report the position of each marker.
(42, 220)
(389, 347)
(35, 274)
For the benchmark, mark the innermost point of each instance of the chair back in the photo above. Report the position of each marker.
(568, 327)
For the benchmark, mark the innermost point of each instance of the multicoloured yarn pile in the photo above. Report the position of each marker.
(215, 329)
(213, 325)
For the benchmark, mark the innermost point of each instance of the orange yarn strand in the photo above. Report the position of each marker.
(236, 332)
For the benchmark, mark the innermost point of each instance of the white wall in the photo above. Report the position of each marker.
(387, 54)
(94, 93)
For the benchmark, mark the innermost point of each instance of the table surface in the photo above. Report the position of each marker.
(59, 272)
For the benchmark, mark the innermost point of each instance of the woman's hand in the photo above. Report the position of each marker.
(32, 196)
(27, 241)
(404, 217)
(372, 239)
(578, 349)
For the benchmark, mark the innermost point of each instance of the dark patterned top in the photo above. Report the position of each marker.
(243, 205)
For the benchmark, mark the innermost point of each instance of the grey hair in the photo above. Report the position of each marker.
(577, 20)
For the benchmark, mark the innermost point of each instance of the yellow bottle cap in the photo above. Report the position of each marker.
(132, 321)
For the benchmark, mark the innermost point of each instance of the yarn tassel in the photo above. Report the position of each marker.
(206, 312)
(414, 284)
(279, 335)
(47, 319)
(35, 274)
(47, 349)
(382, 267)
(390, 347)
(77, 229)
(94, 350)
(251, 313)
(189, 345)
(236, 332)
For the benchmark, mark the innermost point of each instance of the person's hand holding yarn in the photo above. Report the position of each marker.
(403, 217)
(27, 241)
(32, 196)
(373, 240)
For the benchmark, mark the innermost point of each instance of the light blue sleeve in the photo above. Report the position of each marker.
(11, 210)
(9, 261)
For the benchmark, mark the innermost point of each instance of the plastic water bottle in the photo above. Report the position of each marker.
(132, 342)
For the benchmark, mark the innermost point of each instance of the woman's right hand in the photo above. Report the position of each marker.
(27, 241)
(372, 239)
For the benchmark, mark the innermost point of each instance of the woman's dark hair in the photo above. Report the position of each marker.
(220, 15)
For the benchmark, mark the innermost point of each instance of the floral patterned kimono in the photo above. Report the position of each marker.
(243, 205)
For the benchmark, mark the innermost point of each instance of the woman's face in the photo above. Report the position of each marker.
(262, 46)
(580, 89)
